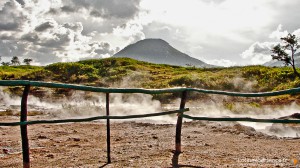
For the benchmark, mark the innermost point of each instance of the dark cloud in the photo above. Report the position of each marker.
(64, 9)
(25, 33)
(99, 13)
(106, 9)
(11, 48)
(106, 26)
(31, 37)
(261, 49)
(110, 13)
(44, 26)
(68, 9)
(6, 36)
(73, 26)
(10, 19)
(109, 8)
(21, 2)
(8, 26)
(58, 42)
(101, 48)
(53, 11)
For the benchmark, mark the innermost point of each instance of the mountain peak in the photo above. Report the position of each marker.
(160, 52)
(153, 40)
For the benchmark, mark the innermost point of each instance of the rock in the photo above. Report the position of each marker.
(42, 137)
(293, 116)
(76, 139)
(155, 137)
(5, 151)
(50, 156)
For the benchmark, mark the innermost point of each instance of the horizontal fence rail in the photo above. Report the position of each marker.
(145, 91)
(180, 113)
(92, 118)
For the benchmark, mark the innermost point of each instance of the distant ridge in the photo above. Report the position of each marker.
(277, 63)
(160, 52)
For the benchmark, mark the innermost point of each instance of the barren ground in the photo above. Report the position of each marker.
(137, 144)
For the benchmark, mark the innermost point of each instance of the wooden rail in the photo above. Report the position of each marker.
(180, 113)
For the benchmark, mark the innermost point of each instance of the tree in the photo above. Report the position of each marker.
(15, 60)
(290, 43)
(5, 63)
(27, 61)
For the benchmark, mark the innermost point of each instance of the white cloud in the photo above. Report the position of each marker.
(297, 33)
(259, 53)
(107, 9)
(278, 33)
(222, 28)
(202, 19)
(130, 30)
(221, 62)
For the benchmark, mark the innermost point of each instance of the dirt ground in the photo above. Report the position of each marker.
(140, 144)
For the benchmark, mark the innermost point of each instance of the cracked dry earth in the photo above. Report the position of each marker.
(140, 144)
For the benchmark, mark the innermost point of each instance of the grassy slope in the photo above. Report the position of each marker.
(16, 72)
(125, 72)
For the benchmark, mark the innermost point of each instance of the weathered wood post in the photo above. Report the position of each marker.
(178, 131)
(24, 136)
(108, 129)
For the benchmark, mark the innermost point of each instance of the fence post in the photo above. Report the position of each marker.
(108, 129)
(178, 131)
(24, 136)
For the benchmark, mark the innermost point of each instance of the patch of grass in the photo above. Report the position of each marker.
(7, 112)
(255, 104)
(10, 112)
(17, 72)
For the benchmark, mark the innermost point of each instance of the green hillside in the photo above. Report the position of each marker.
(129, 73)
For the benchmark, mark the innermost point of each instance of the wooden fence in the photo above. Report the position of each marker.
(180, 112)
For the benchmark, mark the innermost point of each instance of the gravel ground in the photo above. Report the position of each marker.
(140, 144)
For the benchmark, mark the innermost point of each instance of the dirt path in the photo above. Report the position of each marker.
(136, 144)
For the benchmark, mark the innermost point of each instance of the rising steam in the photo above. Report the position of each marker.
(86, 104)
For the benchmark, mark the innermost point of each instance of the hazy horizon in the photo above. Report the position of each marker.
(218, 32)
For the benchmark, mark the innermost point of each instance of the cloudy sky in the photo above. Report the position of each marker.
(220, 32)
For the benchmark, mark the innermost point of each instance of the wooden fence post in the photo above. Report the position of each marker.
(108, 129)
(178, 131)
(24, 136)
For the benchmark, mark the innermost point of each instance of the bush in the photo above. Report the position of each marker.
(185, 80)
(73, 72)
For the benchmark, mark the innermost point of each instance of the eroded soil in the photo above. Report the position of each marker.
(138, 144)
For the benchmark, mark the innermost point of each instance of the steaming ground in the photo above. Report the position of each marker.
(147, 142)
(87, 104)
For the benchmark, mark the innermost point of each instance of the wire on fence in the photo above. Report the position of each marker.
(92, 118)
(283, 121)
